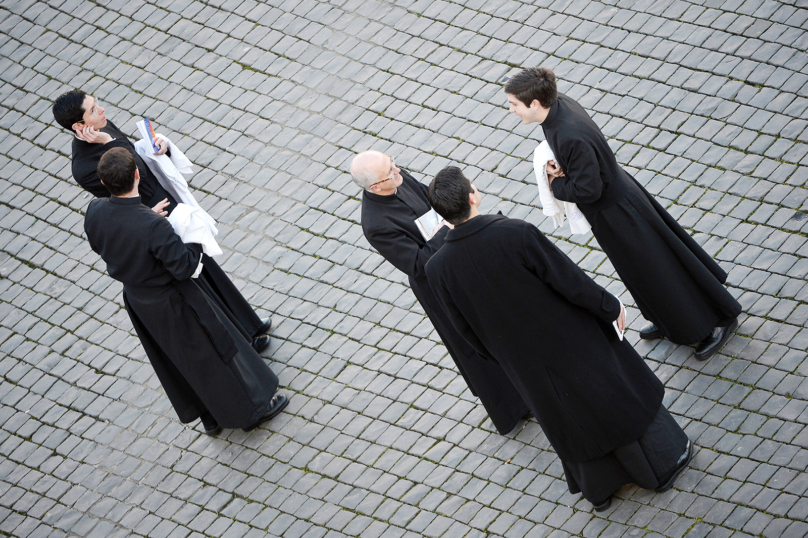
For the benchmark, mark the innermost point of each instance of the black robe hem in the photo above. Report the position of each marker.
(646, 462)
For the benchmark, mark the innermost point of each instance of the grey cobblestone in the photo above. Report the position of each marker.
(704, 104)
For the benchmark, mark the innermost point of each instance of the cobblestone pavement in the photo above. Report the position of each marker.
(704, 101)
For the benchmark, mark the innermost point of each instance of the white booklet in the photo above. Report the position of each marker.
(428, 224)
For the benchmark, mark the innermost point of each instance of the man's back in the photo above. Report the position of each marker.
(522, 302)
(139, 247)
(499, 268)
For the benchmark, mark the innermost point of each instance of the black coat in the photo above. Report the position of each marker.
(213, 281)
(201, 359)
(520, 301)
(674, 282)
(388, 223)
(85, 165)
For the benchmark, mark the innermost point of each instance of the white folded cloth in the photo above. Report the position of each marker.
(169, 170)
(551, 206)
(190, 224)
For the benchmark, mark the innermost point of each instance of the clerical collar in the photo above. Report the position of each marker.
(133, 200)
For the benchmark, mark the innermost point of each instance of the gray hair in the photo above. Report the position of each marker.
(361, 173)
(363, 177)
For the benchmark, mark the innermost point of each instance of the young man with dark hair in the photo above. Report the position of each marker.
(391, 202)
(675, 283)
(94, 135)
(204, 364)
(519, 301)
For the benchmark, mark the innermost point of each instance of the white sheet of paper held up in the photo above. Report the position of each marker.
(614, 323)
(428, 223)
(619, 332)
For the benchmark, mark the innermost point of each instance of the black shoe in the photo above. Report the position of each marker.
(603, 506)
(276, 405)
(266, 325)
(713, 343)
(212, 427)
(650, 332)
(260, 343)
(688, 455)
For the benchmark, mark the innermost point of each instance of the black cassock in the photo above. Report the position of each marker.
(213, 280)
(521, 302)
(674, 282)
(200, 357)
(388, 223)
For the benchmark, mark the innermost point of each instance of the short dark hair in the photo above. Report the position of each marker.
(117, 170)
(69, 108)
(449, 195)
(534, 83)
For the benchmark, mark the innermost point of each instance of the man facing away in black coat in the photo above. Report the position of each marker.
(94, 135)
(675, 283)
(391, 202)
(522, 303)
(206, 367)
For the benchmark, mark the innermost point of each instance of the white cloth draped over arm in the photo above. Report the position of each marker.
(190, 224)
(551, 206)
(168, 171)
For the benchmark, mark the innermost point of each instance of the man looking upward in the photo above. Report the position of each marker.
(391, 201)
(93, 135)
(675, 283)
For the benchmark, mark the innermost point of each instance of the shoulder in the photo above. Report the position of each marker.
(96, 206)
(435, 264)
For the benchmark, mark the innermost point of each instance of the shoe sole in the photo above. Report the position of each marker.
(214, 432)
(267, 419)
(602, 507)
(727, 336)
(654, 336)
(669, 484)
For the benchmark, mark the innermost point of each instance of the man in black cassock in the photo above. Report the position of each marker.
(206, 367)
(675, 283)
(520, 302)
(391, 202)
(94, 135)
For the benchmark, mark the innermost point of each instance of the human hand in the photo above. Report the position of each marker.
(553, 171)
(162, 145)
(621, 319)
(160, 207)
(447, 224)
(92, 135)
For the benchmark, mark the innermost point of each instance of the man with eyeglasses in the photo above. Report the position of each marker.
(392, 200)
(93, 136)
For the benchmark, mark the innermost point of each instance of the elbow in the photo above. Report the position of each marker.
(590, 196)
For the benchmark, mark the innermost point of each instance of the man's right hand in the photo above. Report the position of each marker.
(159, 208)
(93, 135)
(621, 319)
(553, 171)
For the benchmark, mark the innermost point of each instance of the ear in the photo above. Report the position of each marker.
(535, 104)
(137, 173)
(76, 126)
(472, 201)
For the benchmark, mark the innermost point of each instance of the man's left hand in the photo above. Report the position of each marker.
(162, 145)
(621, 320)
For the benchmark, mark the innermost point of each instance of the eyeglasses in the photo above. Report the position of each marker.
(392, 172)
